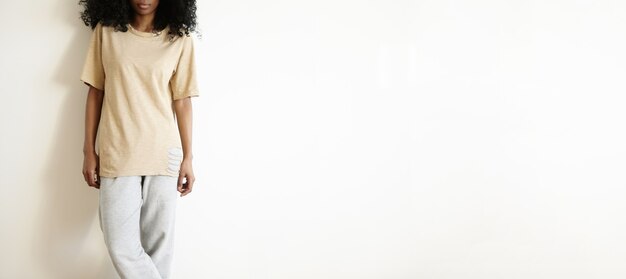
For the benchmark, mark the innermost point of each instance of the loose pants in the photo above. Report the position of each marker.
(137, 215)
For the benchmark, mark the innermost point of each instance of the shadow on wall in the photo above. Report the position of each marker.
(69, 240)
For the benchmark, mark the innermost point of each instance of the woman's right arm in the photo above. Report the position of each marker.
(93, 108)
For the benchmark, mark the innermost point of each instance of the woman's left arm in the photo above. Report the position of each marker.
(184, 114)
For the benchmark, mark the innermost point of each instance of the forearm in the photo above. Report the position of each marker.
(184, 115)
(93, 109)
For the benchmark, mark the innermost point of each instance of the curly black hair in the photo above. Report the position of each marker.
(179, 15)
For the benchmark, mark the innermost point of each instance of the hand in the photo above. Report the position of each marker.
(91, 165)
(186, 171)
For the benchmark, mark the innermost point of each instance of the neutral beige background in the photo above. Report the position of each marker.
(346, 139)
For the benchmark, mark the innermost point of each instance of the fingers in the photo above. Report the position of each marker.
(91, 177)
(91, 166)
(180, 183)
(86, 177)
(96, 178)
(189, 185)
(186, 187)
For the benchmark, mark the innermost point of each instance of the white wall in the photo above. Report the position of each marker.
(346, 139)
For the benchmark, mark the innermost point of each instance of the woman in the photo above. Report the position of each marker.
(141, 75)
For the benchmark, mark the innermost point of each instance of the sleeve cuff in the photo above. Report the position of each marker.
(192, 93)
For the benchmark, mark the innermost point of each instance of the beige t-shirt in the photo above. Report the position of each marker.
(141, 74)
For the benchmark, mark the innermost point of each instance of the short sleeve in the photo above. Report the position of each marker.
(184, 79)
(93, 69)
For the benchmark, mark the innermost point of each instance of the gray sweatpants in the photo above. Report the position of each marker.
(137, 215)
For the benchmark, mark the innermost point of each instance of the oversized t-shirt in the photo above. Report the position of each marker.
(141, 74)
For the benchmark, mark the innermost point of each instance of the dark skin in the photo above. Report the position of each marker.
(143, 21)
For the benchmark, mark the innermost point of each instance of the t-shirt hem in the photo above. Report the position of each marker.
(136, 173)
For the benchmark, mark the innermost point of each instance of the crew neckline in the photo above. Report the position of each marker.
(145, 34)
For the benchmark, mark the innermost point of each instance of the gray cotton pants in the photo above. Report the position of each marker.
(137, 216)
